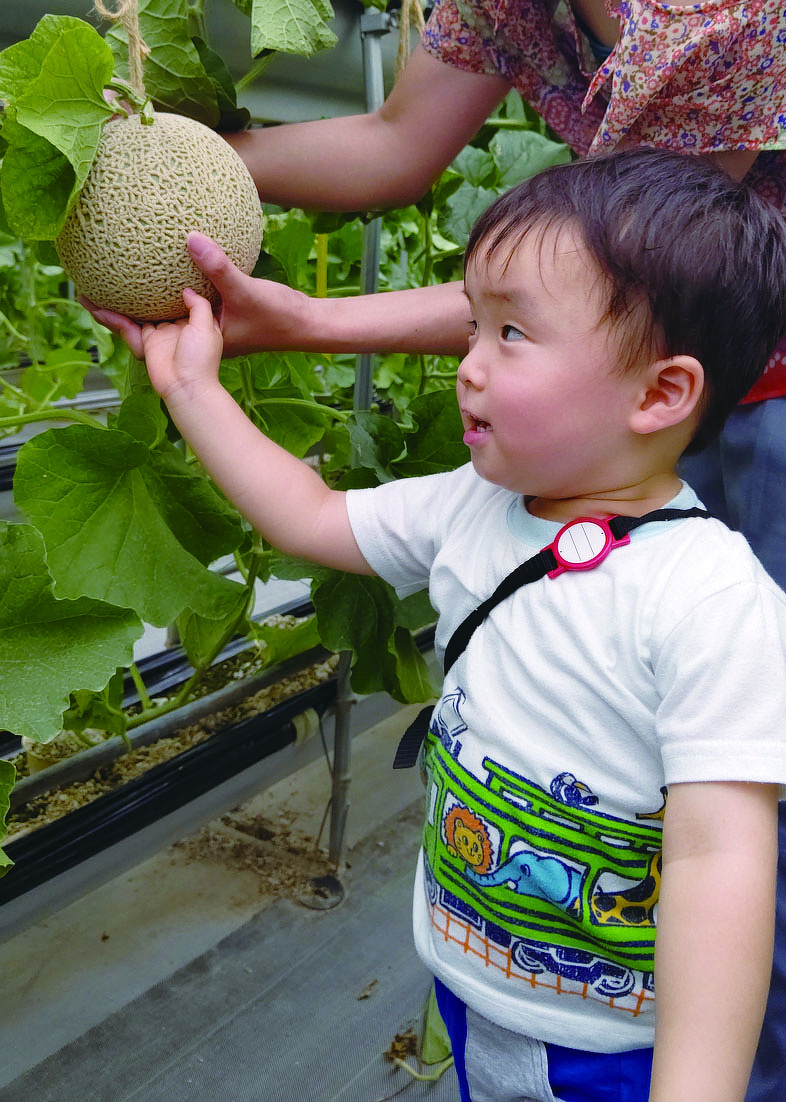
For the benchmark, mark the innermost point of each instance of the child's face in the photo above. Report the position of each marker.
(545, 411)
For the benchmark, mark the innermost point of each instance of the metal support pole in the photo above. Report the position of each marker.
(342, 763)
(373, 25)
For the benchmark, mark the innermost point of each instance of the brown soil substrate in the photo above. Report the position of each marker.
(282, 859)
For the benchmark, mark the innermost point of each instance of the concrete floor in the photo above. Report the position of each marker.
(195, 976)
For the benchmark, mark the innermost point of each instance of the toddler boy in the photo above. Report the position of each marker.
(605, 757)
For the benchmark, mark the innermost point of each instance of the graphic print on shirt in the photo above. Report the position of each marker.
(544, 877)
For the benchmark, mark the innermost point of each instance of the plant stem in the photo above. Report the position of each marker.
(432, 1077)
(247, 383)
(509, 124)
(428, 240)
(141, 688)
(11, 389)
(127, 92)
(51, 415)
(153, 712)
(303, 403)
(256, 69)
(196, 18)
(12, 330)
(322, 265)
(423, 372)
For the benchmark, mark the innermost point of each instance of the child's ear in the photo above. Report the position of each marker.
(670, 394)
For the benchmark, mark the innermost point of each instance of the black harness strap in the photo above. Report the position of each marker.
(530, 571)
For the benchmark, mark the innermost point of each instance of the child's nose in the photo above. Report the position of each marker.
(471, 371)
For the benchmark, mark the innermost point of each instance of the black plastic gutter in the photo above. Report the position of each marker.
(58, 846)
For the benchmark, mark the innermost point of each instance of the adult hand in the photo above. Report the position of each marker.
(255, 314)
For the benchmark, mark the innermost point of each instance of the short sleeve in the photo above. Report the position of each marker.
(398, 527)
(454, 35)
(696, 78)
(721, 678)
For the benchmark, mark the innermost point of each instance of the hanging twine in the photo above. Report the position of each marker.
(411, 19)
(127, 13)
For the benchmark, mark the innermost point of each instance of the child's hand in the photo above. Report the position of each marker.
(183, 356)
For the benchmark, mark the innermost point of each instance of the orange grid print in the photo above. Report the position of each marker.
(476, 944)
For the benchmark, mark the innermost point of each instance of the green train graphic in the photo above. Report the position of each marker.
(563, 886)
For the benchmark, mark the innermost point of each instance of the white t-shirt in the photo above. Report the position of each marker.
(573, 707)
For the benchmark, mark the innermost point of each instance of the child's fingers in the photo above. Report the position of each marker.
(200, 311)
(195, 303)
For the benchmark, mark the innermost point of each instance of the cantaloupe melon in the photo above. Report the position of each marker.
(124, 241)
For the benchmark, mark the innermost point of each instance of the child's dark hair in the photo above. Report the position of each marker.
(705, 254)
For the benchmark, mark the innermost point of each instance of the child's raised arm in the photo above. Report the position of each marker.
(713, 952)
(281, 496)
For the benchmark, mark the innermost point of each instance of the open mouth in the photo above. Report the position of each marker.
(478, 425)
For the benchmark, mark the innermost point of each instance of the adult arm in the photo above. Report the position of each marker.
(259, 315)
(387, 158)
(715, 933)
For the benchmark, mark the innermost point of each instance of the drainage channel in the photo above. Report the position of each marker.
(58, 846)
(65, 859)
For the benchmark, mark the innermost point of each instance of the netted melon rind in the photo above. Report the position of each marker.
(123, 243)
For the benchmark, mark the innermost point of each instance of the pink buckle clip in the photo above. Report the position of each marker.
(582, 544)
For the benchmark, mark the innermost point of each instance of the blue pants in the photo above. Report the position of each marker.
(573, 1075)
(741, 478)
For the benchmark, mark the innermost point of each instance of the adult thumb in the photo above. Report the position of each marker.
(211, 259)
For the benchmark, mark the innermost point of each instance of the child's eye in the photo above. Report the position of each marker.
(511, 333)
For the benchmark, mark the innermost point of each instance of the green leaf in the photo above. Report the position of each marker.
(435, 444)
(475, 165)
(415, 611)
(142, 417)
(54, 83)
(289, 239)
(461, 211)
(49, 647)
(36, 69)
(5, 229)
(448, 183)
(294, 428)
(378, 442)
(203, 637)
(359, 614)
(231, 117)
(435, 1042)
(37, 183)
(174, 75)
(355, 612)
(126, 524)
(102, 710)
(7, 778)
(61, 375)
(283, 641)
(65, 102)
(414, 680)
(272, 389)
(291, 26)
(519, 155)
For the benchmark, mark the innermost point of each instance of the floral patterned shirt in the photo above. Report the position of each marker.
(698, 78)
